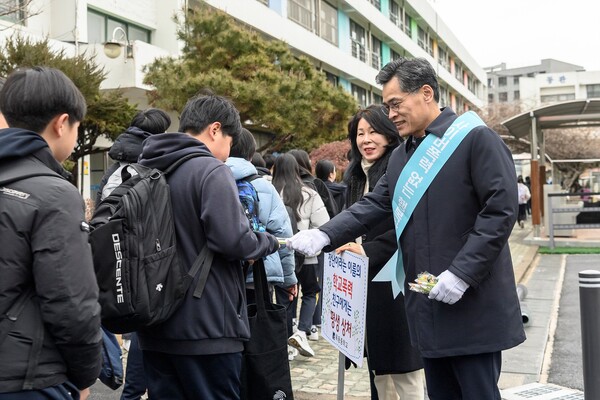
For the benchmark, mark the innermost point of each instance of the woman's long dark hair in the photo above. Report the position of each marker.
(381, 124)
(286, 179)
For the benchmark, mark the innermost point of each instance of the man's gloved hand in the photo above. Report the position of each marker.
(449, 288)
(308, 242)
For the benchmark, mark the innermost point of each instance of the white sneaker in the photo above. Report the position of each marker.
(294, 325)
(313, 334)
(292, 353)
(299, 341)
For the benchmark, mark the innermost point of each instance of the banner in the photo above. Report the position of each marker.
(345, 281)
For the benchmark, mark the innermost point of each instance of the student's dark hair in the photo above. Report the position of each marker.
(520, 179)
(412, 73)
(269, 160)
(323, 169)
(258, 160)
(32, 97)
(380, 124)
(286, 179)
(303, 160)
(245, 146)
(152, 120)
(202, 110)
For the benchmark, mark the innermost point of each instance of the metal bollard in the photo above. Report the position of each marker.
(589, 304)
(521, 294)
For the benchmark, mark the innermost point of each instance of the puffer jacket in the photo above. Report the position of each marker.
(272, 213)
(45, 250)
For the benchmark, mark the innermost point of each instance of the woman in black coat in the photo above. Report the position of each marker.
(390, 355)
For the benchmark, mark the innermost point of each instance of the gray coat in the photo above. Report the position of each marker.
(462, 223)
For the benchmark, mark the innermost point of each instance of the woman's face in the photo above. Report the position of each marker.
(371, 144)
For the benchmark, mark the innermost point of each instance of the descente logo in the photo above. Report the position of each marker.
(119, 257)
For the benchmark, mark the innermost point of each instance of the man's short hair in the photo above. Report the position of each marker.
(269, 160)
(245, 147)
(412, 73)
(201, 111)
(152, 120)
(32, 97)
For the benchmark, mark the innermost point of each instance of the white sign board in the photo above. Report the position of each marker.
(345, 280)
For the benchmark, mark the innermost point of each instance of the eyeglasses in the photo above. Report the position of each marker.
(394, 105)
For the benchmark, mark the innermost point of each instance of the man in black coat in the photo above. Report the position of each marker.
(458, 231)
(51, 349)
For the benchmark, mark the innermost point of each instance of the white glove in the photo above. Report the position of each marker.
(449, 288)
(308, 242)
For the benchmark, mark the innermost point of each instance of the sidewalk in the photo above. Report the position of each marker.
(316, 378)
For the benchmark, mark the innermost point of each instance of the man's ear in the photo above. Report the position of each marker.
(428, 93)
(58, 124)
(214, 128)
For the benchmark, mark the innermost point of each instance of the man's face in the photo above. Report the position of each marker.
(408, 111)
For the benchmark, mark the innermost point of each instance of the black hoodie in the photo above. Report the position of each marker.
(206, 209)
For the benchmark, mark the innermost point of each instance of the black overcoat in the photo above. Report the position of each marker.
(462, 223)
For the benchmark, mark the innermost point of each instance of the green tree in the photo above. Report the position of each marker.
(274, 90)
(108, 112)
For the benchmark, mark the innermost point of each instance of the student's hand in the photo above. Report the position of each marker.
(293, 292)
(352, 247)
(449, 289)
(308, 242)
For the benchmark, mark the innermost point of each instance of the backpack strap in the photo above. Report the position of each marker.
(250, 178)
(202, 266)
(180, 161)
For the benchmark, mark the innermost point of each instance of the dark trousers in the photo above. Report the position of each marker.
(207, 377)
(310, 287)
(135, 377)
(282, 297)
(66, 391)
(522, 216)
(472, 377)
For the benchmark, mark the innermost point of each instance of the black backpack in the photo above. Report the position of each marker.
(134, 247)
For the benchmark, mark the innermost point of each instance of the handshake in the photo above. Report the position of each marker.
(308, 242)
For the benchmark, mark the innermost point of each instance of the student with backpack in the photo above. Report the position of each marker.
(269, 211)
(125, 151)
(50, 337)
(197, 352)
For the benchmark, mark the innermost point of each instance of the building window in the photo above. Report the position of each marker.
(13, 10)
(360, 94)
(394, 55)
(554, 98)
(397, 15)
(377, 99)
(490, 97)
(503, 97)
(502, 81)
(407, 24)
(329, 21)
(375, 52)
(516, 80)
(376, 4)
(517, 95)
(443, 96)
(332, 78)
(443, 58)
(359, 38)
(301, 12)
(101, 27)
(425, 41)
(458, 72)
(593, 91)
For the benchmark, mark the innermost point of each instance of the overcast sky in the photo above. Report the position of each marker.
(523, 32)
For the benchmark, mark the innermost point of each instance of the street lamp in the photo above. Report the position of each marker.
(112, 48)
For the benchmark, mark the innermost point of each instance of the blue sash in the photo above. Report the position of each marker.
(415, 178)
